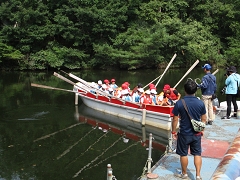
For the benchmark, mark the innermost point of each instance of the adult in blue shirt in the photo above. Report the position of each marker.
(208, 87)
(232, 82)
(187, 136)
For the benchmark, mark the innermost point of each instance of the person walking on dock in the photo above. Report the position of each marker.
(208, 88)
(187, 137)
(232, 83)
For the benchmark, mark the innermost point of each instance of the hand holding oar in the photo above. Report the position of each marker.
(190, 69)
(174, 56)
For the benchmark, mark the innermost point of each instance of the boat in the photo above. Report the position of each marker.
(144, 114)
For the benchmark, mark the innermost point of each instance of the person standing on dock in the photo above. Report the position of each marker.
(187, 137)
(208, 87)
(232, 83)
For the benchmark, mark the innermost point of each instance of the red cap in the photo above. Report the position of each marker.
(166, 87)
(113, 80)
(124, 86)
(127, 83)
(106, 81)
(151, 85)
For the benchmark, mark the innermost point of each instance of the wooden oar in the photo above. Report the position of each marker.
(85, 84)
(88, 86)
(152, 81)
(92, 87)
(190, 69)
(69, 81)
(215, 72)
(49, 87)
(174, 56)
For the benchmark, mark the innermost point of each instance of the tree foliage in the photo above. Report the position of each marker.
(42, 34)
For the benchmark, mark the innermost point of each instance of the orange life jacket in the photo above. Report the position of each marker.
(147, 100)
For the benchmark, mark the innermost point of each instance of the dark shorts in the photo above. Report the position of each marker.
(183, 143)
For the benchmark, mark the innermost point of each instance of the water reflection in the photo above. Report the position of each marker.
(124, 127)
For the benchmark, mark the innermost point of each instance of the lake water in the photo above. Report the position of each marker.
(45, 136)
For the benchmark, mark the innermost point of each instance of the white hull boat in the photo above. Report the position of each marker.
(156, 116)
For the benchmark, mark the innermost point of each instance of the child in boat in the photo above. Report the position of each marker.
(153, 96)
(113, 84)
(106, 81)
(125, 95)
(146, 98)
(137, 95)
(99, 84)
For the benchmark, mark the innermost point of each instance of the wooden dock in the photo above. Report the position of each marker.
(215, 143)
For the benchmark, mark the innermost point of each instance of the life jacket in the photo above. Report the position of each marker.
(171, 96)
(146, 100)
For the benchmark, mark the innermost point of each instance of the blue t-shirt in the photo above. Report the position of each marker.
(196, 109)
(208, 85)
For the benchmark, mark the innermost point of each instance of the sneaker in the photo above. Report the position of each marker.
(226, 117)
(234, 115)
(198, 178)
(180, 175)
(210, 122)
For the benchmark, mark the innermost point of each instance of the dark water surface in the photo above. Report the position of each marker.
(42, 137)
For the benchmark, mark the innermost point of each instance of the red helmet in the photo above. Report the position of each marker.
(113, 80)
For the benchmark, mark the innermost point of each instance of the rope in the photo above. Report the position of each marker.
(49, 135)
(100, 162)
(68, 150)
(84, 167)
(87, 149)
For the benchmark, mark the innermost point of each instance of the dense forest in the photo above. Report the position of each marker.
(130, 34)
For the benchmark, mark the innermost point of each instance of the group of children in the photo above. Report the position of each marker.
(137, 95)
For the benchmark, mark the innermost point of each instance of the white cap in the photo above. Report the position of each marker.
(153, 91)
(140, 90)
(99, 82)
(147, 92)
